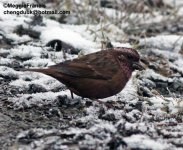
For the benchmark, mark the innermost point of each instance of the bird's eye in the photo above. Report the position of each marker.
(129, 56)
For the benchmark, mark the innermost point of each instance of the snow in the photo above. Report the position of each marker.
(142, 122)
(38, 63)
(144, 142)
(174, 2)
(24, 51)
(150, 74)
(66, 36)
(163, 42)
(6, 71)
(117, 44)
(17, 38)
(38, 99)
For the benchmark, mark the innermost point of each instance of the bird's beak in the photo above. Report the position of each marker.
(138, 66)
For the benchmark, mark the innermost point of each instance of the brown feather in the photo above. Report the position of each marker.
(97, 75)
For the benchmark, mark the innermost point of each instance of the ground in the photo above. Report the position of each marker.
(37, 112)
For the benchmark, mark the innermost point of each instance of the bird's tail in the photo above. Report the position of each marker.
(45, 71)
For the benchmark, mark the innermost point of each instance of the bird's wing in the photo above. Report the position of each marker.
(94, 67)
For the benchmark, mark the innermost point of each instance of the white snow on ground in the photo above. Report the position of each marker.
(149, 73)
(163, 42)
(38, 99)
(10, 21)
(6, 71)
(145, 142)
(17, 38)
(117, 44)
(174, 3)
(70, 36)
(51, 32)
(80, 38)
(67, 36)
(25, 51)
(37, 62)
(47, 82)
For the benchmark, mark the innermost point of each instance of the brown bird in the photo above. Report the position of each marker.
(96, 75)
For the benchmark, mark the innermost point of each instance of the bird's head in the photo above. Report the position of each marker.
(129, 59)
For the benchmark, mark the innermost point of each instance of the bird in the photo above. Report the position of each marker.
(97, 75)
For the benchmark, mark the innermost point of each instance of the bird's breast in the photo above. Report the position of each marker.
(118, 81)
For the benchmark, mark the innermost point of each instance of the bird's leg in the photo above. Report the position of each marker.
(72, 96)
